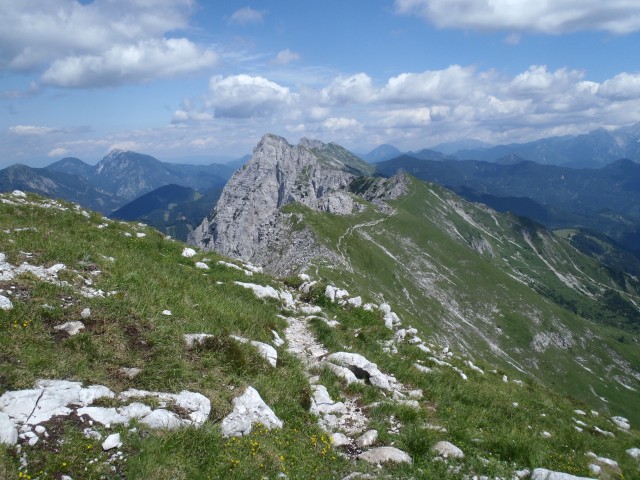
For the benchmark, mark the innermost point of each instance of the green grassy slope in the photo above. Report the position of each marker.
(499, 287)
(128, 329)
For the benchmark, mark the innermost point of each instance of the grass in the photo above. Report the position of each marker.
(128, 329)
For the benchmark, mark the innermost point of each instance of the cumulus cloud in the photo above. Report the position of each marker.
(58, 152)
(624, 86)
(121, 64)
(245, 96)
(246, 15)
(356, 88)
(285, 57)
(32, 130)
(340, 123)
(551, 17)
(420, 108)
(104, 42)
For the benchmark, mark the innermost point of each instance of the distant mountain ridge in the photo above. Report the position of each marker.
(495, 285)
(606, 199)
(591, 150)
(119, 177)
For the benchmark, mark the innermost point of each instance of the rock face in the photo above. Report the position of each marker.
(248, 409)
(247, 221)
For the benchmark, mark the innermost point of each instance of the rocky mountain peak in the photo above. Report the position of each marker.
(248, 220)
(311, 143)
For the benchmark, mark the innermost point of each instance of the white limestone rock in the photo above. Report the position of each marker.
(342, 372)
(544, 474)
(634, 452)
(8, 431)
(5, 303)
(192, 340)
(202, 266)
(71, 328)
(385, 454)
(340, 439)
(112, 441)
(248, 409)
(265, 350)
(277, 341)
(362, 368)
(322, 404)
(188, 252)
(446, 449)
(367, 439)
(86, 313)
(130, 372)
(621, 422)
(162, 419)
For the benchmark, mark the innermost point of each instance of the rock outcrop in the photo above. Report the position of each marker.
(248, 222)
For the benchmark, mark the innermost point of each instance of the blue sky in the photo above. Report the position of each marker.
(187, 79)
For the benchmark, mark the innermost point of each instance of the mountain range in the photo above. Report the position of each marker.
(118, 178)
(495, 286)
(592, 150)
(357, 325)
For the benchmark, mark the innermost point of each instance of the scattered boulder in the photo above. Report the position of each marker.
(112, 441)
(362, 368)
(86, 313)
(340, 439)
(265, 350)
(385, 454)
(71, 328)
(8, 432)
(621, 422)
(202, 266)
(544, 474)
(367, 439)
(446, 449)
(131, 372)
(188, 252)
(192, 340)
(634, 452)
(248, 409)
(5, 303)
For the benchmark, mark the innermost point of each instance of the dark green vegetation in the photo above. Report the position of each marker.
(150, 275)
(497, 286)
(606, 200)
(117, 179)
(172, 209)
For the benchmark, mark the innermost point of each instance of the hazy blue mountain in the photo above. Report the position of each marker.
(592, 150)
(605, 199)
(450, 148)
(381, 153)
(171, 209)
(73, 166)
(57, 185)
(129, 174)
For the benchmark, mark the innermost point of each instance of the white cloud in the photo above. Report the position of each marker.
(102, 43)
(246, 15)
(285, 57)
(624, 86)
(453, 82)
(413, 109)
(58, 152)
(356, 88)
(120, 64)
(340, 123)
(244, 96)
(551, 17)
(32, 130)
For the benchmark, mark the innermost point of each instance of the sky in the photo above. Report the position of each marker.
(201, 81)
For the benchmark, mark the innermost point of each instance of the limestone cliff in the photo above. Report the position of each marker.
(248, 222)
